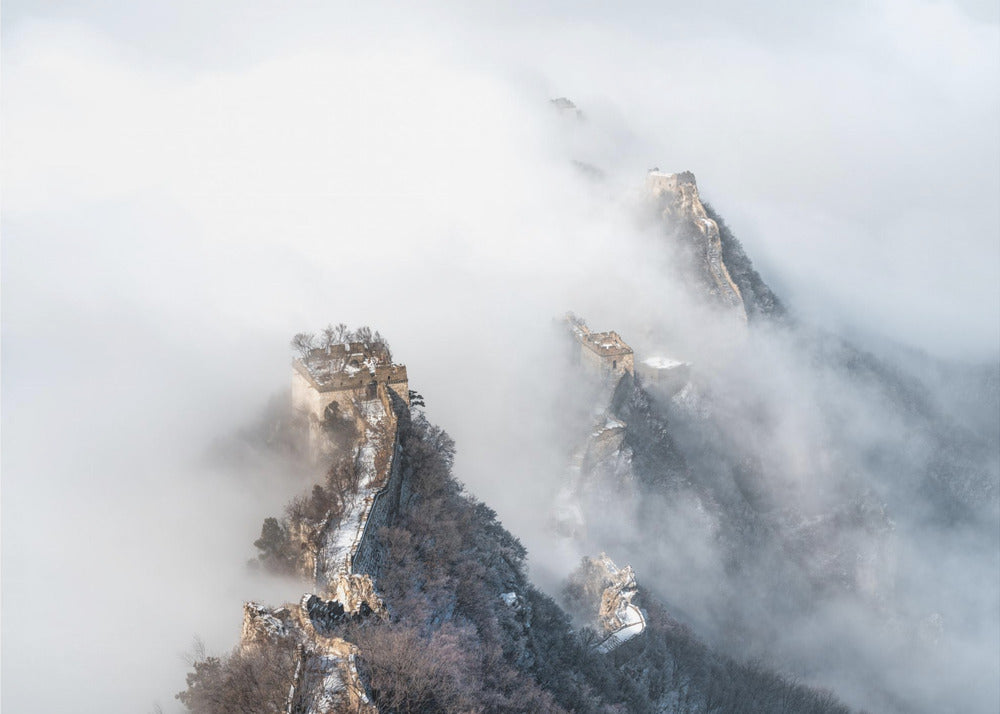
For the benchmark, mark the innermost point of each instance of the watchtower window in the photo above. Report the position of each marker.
(614, 364)
(372, 391)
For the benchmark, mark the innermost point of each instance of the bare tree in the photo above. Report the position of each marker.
(383, 349)
(249, 680)
(410, 672)
(364, 335)
(303, 343)
(197, 652)
(329, 338)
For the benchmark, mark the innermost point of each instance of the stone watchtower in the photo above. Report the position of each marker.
(331, 382)
(605, 353)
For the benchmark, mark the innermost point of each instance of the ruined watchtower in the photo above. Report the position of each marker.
(332, 382)
(603, 352)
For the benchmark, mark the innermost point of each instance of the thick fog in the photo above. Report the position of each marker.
(186, 187)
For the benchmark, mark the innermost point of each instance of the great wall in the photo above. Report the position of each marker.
(354, 382)
(607, 358)
(680, 205)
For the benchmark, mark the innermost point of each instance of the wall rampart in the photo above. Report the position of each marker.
(314, 398)
(608, 363)
(605, 353)
(368, 558)
(390, 374)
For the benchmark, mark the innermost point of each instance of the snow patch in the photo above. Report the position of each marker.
(662, 362)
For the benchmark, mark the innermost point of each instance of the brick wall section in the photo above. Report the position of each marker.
(604, 353)
(368, 557)
(314, 397)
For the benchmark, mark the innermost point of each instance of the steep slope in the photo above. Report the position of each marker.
(447, 620)
(697, 236)
(798, 483)
(651, 453)
(758, 298)
(760, 502)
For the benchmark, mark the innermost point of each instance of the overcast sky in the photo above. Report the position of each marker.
(854, 147)
(186, 184)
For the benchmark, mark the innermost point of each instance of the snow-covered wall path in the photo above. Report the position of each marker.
(635, 623)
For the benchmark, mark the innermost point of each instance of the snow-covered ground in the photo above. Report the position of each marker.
(662, 362)
(332, 689)
(341, 538)
(635, 623)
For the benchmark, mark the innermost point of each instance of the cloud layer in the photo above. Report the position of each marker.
(185, 187)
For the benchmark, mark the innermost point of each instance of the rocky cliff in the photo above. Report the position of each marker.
(600, 593)
(666, 470)
(697, 237)
(766, 495)
(325, 677)
(329, 541)
(751, 508)
(444, 618)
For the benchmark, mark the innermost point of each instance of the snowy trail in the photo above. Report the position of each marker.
(341, 540)
(635, 623)
(337, 674)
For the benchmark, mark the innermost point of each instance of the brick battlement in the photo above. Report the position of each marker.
(332, 382)
(605, 343)
(392, 375)
(604, 352)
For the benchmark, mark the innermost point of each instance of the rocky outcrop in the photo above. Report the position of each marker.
(605, 479)
(600, 593)
(758, 298)
(263, 625)
(326, 679)
(601, 468)
(356, 592)
(677, 200)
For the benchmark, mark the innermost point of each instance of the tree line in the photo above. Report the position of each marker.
(304, 343)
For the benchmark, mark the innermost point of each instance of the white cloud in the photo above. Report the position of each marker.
(186, 186)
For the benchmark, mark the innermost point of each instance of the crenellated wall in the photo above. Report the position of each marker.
(313, 397)
(347, 392)
(609, 363)
(375, 506)
(343, 555)
(327, 679)
(367, 558)
(604, 353)
(680, 204)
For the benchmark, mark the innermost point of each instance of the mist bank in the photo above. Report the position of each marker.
(175, 209)
(803, 501)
